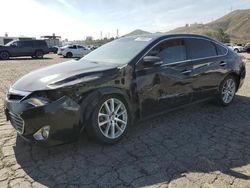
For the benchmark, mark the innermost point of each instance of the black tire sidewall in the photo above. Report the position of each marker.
(39, 54)
(236, 50)
(5, 58)
(93, 127)
(69, 55)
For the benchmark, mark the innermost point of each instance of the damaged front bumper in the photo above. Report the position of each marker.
(55, 123)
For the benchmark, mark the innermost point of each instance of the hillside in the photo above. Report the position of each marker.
(236, 24)
(137, 32)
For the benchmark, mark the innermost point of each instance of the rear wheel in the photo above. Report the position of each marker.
(110, 120)
(69, 55)
(228, 90)
(39, 54)
(4, 55)
(237, 50)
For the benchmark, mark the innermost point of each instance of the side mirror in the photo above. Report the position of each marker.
(152, 61)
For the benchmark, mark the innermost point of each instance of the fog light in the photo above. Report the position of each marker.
(42, 134)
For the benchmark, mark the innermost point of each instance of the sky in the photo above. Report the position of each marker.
(77, 19)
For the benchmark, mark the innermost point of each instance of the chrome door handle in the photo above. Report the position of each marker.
(186, 72)
(223, 63)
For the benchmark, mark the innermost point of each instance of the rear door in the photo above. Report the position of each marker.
(25, 48)
(162, 88)
(73, 49)
(208, 67)
(80, 51)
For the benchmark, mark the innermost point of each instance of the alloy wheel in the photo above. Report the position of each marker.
(112, 118)
(228, 91)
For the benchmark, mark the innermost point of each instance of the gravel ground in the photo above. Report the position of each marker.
(200, 146)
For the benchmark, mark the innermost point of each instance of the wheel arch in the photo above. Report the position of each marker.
(6, 52)
(92, 98)
(236, 76)
(69, 52)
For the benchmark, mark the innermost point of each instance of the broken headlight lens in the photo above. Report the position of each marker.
(38, 101)
(42, 98)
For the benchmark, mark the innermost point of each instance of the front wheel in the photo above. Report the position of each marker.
(228, 90)
(110, 120)
(4, 55)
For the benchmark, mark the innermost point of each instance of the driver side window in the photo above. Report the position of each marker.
(14, 44)
(170, 51)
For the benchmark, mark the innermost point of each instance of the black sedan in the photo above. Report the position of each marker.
(126, 80)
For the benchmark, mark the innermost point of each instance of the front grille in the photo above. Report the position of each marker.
(15, 97)
(17, 122)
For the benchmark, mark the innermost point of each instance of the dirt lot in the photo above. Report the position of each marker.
(200, 146)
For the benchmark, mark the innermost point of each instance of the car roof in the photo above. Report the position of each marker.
(156, 36)
(30, 40)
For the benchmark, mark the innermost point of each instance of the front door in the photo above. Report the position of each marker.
(162, 88)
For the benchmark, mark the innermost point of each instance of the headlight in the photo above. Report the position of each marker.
(41, 98)
(38, 101)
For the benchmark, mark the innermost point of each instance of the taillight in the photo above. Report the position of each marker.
(62, 49)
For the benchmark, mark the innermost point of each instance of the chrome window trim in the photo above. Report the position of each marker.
(188, 60)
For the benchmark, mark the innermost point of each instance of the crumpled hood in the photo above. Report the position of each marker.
(41, 79)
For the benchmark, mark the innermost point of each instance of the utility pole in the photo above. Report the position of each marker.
(101, 35)
(117, 33)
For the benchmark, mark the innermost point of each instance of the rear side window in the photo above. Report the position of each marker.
(81, 47)
(72, 47)
(200, 48)
(25, 43)
(221, 50)
(170, 51)
(39, 43)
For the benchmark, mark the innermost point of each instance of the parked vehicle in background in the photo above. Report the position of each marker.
(128, 79)
(33, 48)
(74, 51)
(54, 49)
(247, 48)
(59, 51)
(92, 47)
(230, 46)
(237, 48)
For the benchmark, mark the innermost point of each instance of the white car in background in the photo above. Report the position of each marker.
(70, 51)
(237, 48)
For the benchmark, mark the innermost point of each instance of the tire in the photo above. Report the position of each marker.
(109, 127)
(237, 50)
(39, 54)
(4, 55)
(69, 55)
(227, 91)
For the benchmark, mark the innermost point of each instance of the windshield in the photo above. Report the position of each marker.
(9, 43)
(120, 51)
